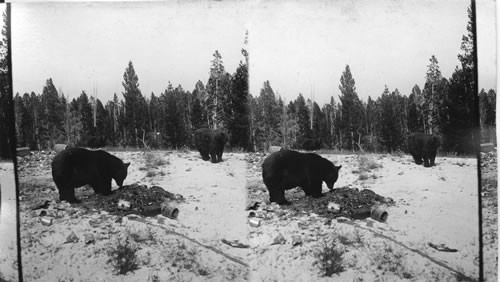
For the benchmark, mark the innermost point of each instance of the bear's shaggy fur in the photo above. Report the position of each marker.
(75, 167)
(287, 169)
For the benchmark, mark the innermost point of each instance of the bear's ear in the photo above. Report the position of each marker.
(126, 164)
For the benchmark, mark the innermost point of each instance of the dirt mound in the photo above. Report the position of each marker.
(351, 201)
(143, 200)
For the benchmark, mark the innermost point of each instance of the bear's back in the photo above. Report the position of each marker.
(418, 140)
(296, 163)
(82, 159)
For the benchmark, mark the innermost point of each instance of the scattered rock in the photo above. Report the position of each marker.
(89, 238)
(279, 240)
(253, 206)
(40, 205)
(72, 238)
(296, 240)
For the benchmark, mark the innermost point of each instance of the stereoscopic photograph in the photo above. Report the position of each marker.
(382, 93)
(130, 140)
(252, 141)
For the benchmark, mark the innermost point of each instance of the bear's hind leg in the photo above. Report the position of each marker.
(213, 157)
(426, 162)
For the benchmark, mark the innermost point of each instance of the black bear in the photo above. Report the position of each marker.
(96, 142)
(75, 167)
(210, 144)
(311, 144)
(423, 146)
(287, 169)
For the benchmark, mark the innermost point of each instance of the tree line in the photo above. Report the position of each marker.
(164, 120)
(443, 106)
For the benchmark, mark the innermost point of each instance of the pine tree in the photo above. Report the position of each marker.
(54, 114)
(391, 120)
(434, 92)
(271, 115)
(458, 122)
(415, 121)
(372, 125)
(134, 120)
(239, 118)
(303, 121)
(352, 109)
(487, 115)
(216, 91)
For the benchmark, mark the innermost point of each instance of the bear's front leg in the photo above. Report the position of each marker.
(219, 156)
(68, 194)
(278, 196)
(433, 158)
(417, 159)
(315, 189)
(205, 156)
(106, 187)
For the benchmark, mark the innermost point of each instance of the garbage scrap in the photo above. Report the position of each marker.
(235, 244)
(353, 203)
(134, 199)
(442, 248)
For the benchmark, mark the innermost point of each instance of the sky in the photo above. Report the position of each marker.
(86, 45)
(299, 46)
(303, 47)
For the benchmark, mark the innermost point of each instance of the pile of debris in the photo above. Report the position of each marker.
(255, 158)
(35, 159)
(488, 159)
(133, 199)
(341, 202)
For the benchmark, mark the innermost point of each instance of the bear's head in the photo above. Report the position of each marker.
(120, 174)
(332, 176)
(436, 142)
